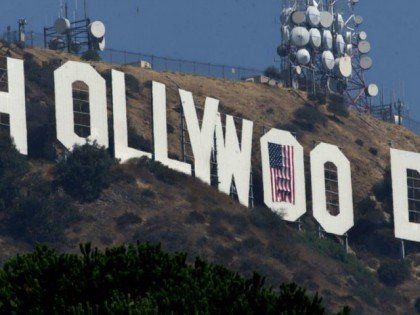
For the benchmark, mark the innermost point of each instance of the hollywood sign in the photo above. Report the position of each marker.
(282, 156)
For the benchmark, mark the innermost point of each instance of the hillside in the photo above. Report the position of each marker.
(186, 215)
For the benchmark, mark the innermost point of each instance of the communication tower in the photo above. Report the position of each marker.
(325, 51)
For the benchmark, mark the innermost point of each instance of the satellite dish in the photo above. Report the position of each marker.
(366, 62)
(75, 47)
(285, 33)
(363, 35)
(328, 60)
(354, 2)
(313, 17)
(300, 36)
(364, 47)
(298, 17)
(343, 66)
(327, 39)
(372, 90)
(339, 22)
(97, 29)
(62, 25)
(326, 19)
(340, 44)
(101, 45)
(349, 49)
(57, 44)
(303, 57)
(349, 37)
(297, 70)
(358, 20)
(282, 50)
(315, 38)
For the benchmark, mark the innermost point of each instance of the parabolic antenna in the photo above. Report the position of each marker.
(297, 70)
(101, 44)
(343, 66)
(366, 63)
(338, 22)
(300, 36)
(315, 38)
(285, 33)
(313, 17)
(75, 47)
(364, 47)
(282, 50)
(97, 29)
(303, 57)
(298, 17)
(328, 60)
(62, 25)
(326, 19)
(348, 37)
(349, 49)
(372, 90)
(363, 35)
(57, 44)
(340, 44)
(358, 19)
(327, 39)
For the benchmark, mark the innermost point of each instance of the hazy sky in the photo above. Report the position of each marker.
(237, 32)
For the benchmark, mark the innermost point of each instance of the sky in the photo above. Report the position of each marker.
(237, 32)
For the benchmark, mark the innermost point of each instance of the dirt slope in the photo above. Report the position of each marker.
(186, 215)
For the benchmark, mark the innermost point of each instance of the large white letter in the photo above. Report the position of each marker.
(202, 140)
(13, 103)
(401, 161)
(341, 223)
(283, 174)
(233, 160)
(160, 133)
(64, 77)
(122, 151)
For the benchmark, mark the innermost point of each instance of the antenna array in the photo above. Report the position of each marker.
(324, 50)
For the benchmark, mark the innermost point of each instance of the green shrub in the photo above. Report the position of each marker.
(339, 109)
(394, 273)
(308, 117)
(85, 172)
(91, 55)
(417, 305)
(383, 190)
(273, 73)
(139, 280)
(127, 219)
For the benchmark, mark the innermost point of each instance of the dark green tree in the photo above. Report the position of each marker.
(85, 172)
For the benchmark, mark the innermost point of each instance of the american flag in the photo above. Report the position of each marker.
(282, 171)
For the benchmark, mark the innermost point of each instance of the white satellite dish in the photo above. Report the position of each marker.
(343, 66)
(313, 16)
(328, 60)
(62, 25)
(97, 29)
(295, 83)
(326, 19)
(339, 23)
(303, 57)
(298, 17)
(358, 20)
(297, 70)
(101, 45)
(315, 38)
(349, 37)
(366, 62)
(349, 49)
(364, 47)
(340, 44)
(363, 35)
(285, 33)
(327, 39)
(372, 90)
(300, 36)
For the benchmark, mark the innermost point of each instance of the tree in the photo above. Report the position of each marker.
(85, 172)
(139, 279)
